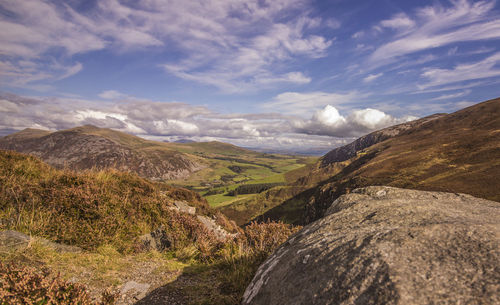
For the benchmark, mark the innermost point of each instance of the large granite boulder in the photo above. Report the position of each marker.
(383, 245)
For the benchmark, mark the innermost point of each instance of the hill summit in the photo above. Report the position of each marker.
(88, 147)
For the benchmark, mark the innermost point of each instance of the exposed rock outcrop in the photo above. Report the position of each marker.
(213, 227)
(158, 240)
(183, 207)
(384, 245)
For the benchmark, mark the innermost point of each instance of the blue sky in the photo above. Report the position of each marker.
(283, 74)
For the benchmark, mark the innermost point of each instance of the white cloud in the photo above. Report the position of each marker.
(248, 62)
(305, 103)
(227, 44)
(436, 26)
(358, 35)
(485, 68)
(329, 116)
(292, 77)
(26, 73)
(111, 95)
(456, 87)
(398, 22)
(371, 118)
(452, 51)
(328, 121)
(72, 70)
(372, 77)
(451, 96)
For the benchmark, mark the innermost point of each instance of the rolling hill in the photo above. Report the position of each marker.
(91, 147)
(458, 152)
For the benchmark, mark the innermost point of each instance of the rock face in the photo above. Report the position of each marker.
(384, 245)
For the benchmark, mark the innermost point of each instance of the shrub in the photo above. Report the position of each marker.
(31, 286)
(248, 251)
(253, 188)
(92, 208)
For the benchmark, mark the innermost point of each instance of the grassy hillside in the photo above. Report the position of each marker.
(459, 152)
(104, 212)
(92, 208)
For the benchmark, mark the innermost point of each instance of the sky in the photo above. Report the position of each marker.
(289, 75)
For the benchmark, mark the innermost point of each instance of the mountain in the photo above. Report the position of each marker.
(349, 151)
(88, 147)
(184, 141)
(385, 245)
(458, 152)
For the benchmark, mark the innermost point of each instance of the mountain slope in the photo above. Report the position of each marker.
(91, 147)
(348, 151)
(458, 152)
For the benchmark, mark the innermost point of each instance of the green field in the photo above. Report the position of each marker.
(230, 166)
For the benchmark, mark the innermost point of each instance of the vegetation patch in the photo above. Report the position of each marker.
(252, 188)
(104, 212)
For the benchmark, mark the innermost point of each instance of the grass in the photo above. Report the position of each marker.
(254, 175)
(91, 209)
(220, 200)
(104, 212)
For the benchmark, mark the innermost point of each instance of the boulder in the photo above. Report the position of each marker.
(384, 245)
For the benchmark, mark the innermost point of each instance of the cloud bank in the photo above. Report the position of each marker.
(325, 129)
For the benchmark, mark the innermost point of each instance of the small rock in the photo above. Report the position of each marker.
(13, 240)
(134, 290)
(157, 240)
(306, 258)
(183, 207)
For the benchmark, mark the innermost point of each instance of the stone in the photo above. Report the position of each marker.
(384, 245)
(157, 240)
(134, 290)
(13, 240)
(212, 226)
(183, 207)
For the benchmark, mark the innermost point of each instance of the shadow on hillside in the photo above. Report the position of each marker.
(171, 293)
